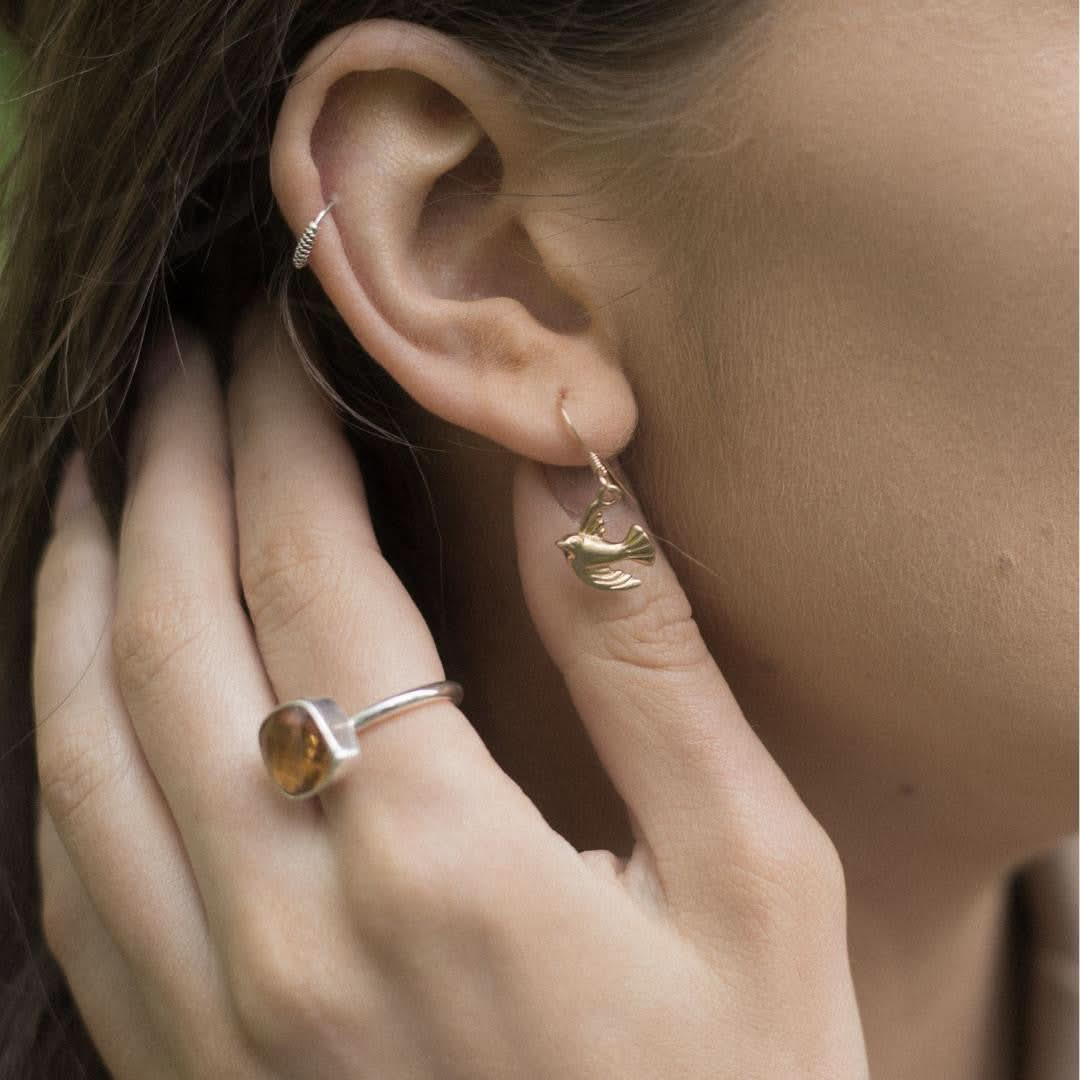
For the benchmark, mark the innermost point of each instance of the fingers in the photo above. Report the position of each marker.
(699, 784)
(187, 665)
(95, 782)
(103, 985)
(331, 616)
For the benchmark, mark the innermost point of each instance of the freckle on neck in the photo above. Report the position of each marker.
(1005, 564)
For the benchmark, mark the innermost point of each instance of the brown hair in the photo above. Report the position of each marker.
(140, 188)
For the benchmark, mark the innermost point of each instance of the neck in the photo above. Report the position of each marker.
(933, 979)
(928, 933)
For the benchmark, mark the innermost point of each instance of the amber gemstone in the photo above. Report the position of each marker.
(294, 750)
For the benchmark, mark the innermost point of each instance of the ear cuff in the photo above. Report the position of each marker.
(307, 238)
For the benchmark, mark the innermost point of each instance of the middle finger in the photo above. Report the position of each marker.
(333, 619)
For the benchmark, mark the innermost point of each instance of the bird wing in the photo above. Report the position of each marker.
(607, 577)
(592, 524)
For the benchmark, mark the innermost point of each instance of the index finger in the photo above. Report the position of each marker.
(702, 789)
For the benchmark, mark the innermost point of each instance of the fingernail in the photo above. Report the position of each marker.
(74, 491)
(155, 367)
(620, 475)
(164, 356)
(573, 487)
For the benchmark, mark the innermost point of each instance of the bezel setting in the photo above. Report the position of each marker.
(305, 743)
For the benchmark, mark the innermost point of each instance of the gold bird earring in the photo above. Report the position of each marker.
(588, 551)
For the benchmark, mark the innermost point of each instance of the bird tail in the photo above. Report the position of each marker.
(638, 546)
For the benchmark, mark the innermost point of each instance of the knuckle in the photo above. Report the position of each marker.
(262, 994)
(434, 879)
(287, 571)
(787, 877)
(263, 977)
(823, 870)
(75, 760)
(656, 632)
(281, 996)
(809, 859)
(152, 632)
(415, 886)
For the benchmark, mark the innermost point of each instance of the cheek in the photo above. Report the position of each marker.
(927, 370)
(927, 153)
(886, 605)
(882, 461)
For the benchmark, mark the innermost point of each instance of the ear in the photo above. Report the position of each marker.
(487, 306)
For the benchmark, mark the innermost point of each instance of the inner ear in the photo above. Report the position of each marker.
(463, 207)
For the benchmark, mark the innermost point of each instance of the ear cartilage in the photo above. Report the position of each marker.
(307, 238)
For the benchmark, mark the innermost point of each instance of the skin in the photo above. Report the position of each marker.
(844, 384)
(421, 919)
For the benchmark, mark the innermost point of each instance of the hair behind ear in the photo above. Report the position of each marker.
(12, 14)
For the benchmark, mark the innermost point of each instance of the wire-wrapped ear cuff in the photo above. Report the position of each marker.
(307, 238)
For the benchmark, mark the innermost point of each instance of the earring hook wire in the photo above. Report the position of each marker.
(611, 488)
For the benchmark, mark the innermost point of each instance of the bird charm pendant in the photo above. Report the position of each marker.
(590, 553)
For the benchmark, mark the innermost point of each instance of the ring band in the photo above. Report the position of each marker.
(306, 742)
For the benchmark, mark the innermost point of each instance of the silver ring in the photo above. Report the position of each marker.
(306, 742)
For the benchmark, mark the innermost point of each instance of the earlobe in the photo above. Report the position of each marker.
(481, 304)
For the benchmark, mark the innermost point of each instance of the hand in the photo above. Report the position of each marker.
(419, 918)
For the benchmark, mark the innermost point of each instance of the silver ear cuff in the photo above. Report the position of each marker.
(307, 238)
